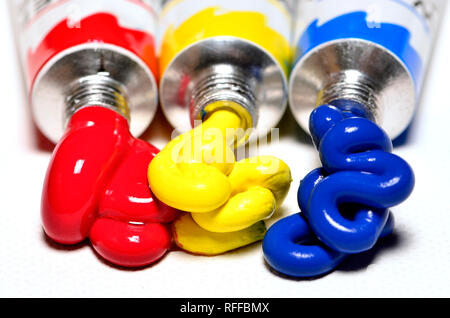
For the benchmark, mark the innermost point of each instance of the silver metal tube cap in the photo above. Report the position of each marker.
(93, 74)
(224, 68)
(359, 71)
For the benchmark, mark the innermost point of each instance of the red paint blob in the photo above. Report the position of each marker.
(96, 187)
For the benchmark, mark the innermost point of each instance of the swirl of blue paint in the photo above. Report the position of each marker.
(345, 204)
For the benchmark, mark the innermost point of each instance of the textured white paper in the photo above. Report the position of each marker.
(414, 263)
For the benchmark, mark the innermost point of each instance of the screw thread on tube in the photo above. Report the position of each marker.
(224, 68)
(225, 83)
(97, 90)
(354, 86)
(361, 72)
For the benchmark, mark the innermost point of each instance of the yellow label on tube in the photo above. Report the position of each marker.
(263, 22)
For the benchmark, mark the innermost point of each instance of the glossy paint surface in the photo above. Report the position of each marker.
(286, 250)
(292, 248)
(197, 173)
(346, 202)
(359, 176)
(96, 187)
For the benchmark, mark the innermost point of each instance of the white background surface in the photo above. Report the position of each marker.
(414, 262)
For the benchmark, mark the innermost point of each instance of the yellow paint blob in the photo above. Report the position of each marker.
(197, 173)
(258, 187)
(190, 173)
(214, 21)
(194, 239)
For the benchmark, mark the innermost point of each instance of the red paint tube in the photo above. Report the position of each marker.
(91, 74)
(78, 53)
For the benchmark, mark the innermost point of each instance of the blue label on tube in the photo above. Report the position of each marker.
(407, 39)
